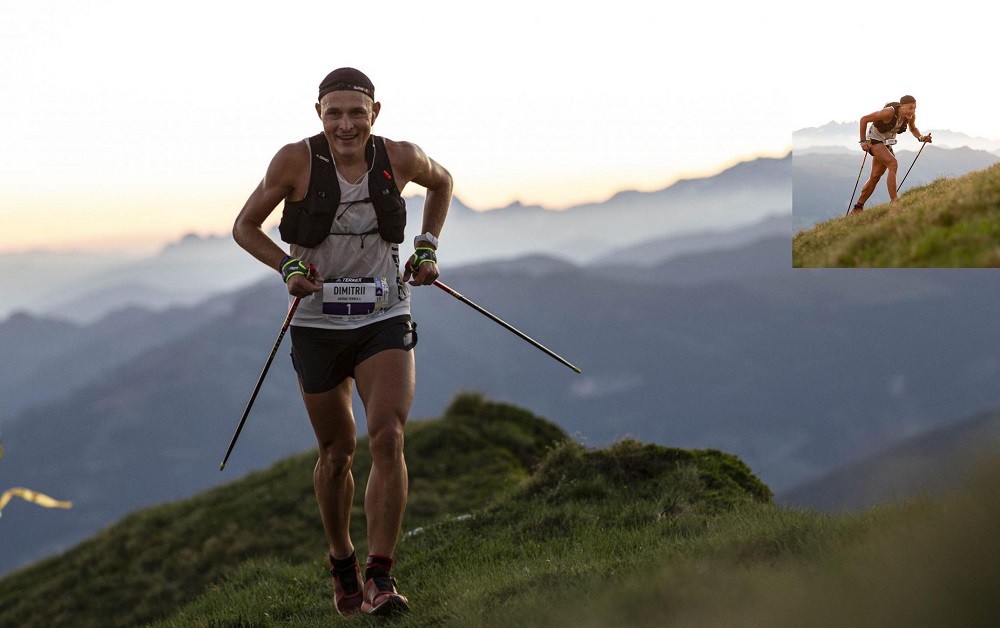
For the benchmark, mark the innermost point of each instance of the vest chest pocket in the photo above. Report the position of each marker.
(391, 213)
(307, 222)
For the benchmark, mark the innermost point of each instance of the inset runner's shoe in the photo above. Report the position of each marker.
(858, 208)
(347, 594)
(381, 597)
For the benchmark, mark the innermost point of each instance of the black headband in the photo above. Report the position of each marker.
(346, 79)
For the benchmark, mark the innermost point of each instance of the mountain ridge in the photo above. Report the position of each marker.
(176, 274)
(934, 462)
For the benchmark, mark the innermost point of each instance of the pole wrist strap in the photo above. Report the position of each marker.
(422, 255)
(291, 267)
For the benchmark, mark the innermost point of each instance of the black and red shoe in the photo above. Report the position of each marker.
(347, 594)
(381, 597)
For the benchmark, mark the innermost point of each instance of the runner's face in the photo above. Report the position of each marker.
(347, 121)
(908, 109)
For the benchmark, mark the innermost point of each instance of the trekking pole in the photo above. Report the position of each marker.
(851, 202)
(922, 144)
(263, 374)
(509, 327)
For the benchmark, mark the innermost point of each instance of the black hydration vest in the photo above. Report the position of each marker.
(890, 126)
(307, 222)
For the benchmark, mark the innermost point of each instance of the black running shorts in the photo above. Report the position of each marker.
(887, 146)
(323, 358)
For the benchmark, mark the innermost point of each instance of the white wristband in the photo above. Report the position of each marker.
(427, 237)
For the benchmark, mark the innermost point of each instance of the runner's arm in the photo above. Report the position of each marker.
(278, 183)
(426, 172)
(414, 165)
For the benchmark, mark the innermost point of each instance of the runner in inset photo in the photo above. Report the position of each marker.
(878, 135)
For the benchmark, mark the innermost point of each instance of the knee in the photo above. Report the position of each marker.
(892, 165)
(336, 458)
(386, 442)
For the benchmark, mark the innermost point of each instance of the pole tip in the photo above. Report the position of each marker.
(222, 466)
(577, 369)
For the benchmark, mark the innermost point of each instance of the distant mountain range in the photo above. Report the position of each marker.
(845, 135)
(697, 214)
(822, 181)
(797, 372)
(933, 463)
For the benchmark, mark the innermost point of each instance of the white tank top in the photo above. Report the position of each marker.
(353, 253)
(875, 134)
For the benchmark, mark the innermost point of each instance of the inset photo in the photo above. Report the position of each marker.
(884, 185)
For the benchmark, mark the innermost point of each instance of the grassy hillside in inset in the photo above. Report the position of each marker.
(160, 558)
(952, 222)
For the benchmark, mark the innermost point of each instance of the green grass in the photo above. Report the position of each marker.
(952, 222)
(632, 535)
(156, 559)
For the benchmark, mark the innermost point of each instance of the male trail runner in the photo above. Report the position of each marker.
(343, 216)
(881, 135)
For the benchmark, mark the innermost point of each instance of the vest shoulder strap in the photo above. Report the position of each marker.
(381, 180)
(323, 185)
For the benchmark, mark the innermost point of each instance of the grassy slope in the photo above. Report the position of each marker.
(632, 535)
(951, 222)
(583, 517)
(156, 559)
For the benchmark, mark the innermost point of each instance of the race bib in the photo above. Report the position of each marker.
(890, 142)
(354, 296)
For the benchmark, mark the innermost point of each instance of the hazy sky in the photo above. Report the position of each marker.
(849, 63)
(148, 120)
(137, 122)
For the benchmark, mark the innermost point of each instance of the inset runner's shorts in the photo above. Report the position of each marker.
(323, 358)
(887, 146)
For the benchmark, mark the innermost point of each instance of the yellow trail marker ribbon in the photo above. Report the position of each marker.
(31, 496)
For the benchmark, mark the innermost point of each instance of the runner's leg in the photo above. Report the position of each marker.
(385, 384)
(878, 169)
(333, 422)
(883, 155)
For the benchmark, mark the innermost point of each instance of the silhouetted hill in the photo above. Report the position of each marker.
(936, 462)
(655, 251)
(45, 358)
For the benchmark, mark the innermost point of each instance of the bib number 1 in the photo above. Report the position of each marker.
(355, 296)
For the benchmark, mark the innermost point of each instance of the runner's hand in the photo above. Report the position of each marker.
(299, 286)
(427, 272)
(926, 138)
(866, 146)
